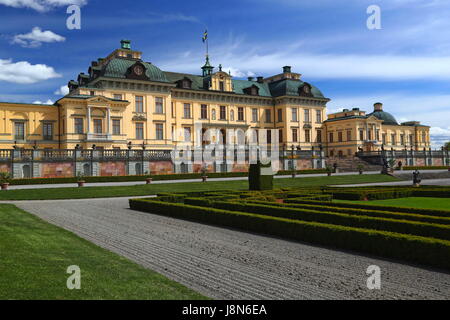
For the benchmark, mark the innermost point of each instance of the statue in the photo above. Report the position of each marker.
(416, 178)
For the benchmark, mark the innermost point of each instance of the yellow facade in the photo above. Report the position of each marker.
(351, 131)
(125, 102)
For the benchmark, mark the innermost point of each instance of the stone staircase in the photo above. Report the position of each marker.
(350, 164)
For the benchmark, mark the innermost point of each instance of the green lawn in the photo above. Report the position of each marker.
(143, 190)
(413, 202)
(35, 256)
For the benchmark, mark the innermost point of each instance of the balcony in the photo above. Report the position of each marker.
(98, 137)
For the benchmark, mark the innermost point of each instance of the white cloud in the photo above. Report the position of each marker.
(64, 90)
(47, 102)
(25, 73)
(36, 37)
(238, 73)
(41, 5)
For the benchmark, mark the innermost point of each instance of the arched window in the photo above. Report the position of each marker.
(138, 168)
(26, 171)
(86, 169)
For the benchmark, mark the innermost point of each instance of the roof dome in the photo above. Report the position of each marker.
(382, 115)
(117, 68)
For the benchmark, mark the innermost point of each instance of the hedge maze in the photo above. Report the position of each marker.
(414, 235)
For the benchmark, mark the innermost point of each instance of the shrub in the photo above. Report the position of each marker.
(428, 251)
(344, 219)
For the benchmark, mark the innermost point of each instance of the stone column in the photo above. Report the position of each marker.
(88, 119)
(108, 121)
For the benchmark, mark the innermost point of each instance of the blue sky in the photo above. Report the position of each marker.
(405, 65)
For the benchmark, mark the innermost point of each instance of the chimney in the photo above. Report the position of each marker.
(287, 69)
(250, 78)
(378, 106)
(260, 79)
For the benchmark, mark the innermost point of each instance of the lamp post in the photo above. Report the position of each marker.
(143, 153)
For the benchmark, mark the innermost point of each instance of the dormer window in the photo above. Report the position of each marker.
(186, 84)
(222, 86)
(253, 90)
(305, 90)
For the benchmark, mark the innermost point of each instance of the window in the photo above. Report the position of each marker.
(139, 131)
(402, 139)
(318, 116)
(280, 135)
(307, 135)
(369, 134)
(331, 137)
(222, 86)
(393, 138)
(117, 96)
(204, 111)
(319, 136)
(349, 135)
(139, 104)
(294, 135)
(254, 115)
(294, 114)
(377, 132)
(424, 137)
(280, 115)
(186, 84)
(92, 93)
(48, 131)
(340, 138)
(159, 105)
(361, 135)
(307, 118)
(79, 126)
(172, 106)
(174, 138)
(98, 126)
(159, 131)
(411, 139)
(187, 134)
(223, 113)
(116, 126)
(254, 91)
(384, 138)
(269, 136)
(19, 130)
(187, 111)
(240, 114)
(268, 116)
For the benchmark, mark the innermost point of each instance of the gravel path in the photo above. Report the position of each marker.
(228, 264)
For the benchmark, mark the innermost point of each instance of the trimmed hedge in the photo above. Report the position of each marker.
(183, 176)
(430, 212)
(426, 168)
(377, 223)
(427, 251)
(293, 203)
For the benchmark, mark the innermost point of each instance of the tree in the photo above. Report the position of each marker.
(447, 146)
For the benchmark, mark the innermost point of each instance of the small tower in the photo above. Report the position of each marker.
(207, 68)
(125, 44)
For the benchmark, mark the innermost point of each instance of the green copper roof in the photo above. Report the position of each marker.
(288, 87)
(240, 85)
(117, 68)
(385, 116)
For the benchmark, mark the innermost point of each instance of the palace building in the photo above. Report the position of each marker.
(124, 102)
